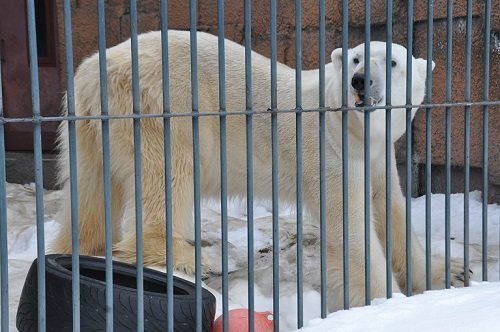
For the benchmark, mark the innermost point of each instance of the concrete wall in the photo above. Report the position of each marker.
(118, 18)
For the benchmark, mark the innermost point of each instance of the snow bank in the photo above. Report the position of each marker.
(475, 308)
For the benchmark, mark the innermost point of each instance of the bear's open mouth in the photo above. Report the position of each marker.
(359, 101)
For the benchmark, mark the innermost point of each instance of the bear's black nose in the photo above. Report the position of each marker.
(358, 82)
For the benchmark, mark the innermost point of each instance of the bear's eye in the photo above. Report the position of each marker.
(394, 63)
(355, 60)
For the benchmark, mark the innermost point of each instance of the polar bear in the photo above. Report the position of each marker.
(90, 160)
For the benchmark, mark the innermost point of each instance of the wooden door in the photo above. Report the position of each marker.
(16, 82)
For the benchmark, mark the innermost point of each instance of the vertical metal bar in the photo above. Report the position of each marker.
(275, 189)
(223, 164)
(388, 151)
(468, 51)
(322, 202)
(428, 150)
(196, 158)
(345, 148)
(449, 58)
(367, 151)
(322, 159)
(168, 165)
(4, 255)
(298, 135)
(136, 107)
(37, 142)
(70, 95)
(249, 158)
(486, 88)
(322, 49)
(106, 165)
(409, 59)
(467, 139)
(298, 55)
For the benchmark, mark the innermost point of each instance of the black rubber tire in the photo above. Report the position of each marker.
(59, 315)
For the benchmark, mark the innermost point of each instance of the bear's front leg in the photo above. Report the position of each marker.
(398, 228)
(356, 247)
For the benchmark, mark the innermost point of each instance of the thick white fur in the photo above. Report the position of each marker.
(89, 155)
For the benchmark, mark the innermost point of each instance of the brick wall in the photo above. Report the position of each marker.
(117, 25)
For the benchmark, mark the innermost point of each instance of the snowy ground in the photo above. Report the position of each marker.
(441, 309)
(475, 308)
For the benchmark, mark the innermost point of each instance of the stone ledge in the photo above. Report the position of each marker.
(20, 168)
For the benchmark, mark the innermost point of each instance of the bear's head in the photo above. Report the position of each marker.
(356, 84)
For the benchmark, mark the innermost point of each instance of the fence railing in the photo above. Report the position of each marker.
(323, 110)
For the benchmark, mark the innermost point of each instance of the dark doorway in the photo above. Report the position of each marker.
(16, 82)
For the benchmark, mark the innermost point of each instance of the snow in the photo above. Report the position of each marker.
(21, 236)
(432, 311)
(475, 308)
(457, 229)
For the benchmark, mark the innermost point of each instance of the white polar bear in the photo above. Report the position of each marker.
(89, 154)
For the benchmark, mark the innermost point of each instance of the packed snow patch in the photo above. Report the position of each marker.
(475, 308)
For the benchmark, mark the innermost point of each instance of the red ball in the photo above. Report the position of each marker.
(238, 321)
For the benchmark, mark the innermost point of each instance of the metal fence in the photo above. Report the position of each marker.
(322, 110)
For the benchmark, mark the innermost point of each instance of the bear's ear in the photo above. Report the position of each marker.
(422, 66)
(337, 56)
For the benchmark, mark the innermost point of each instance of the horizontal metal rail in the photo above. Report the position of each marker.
(232, 113)
(348, 245)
